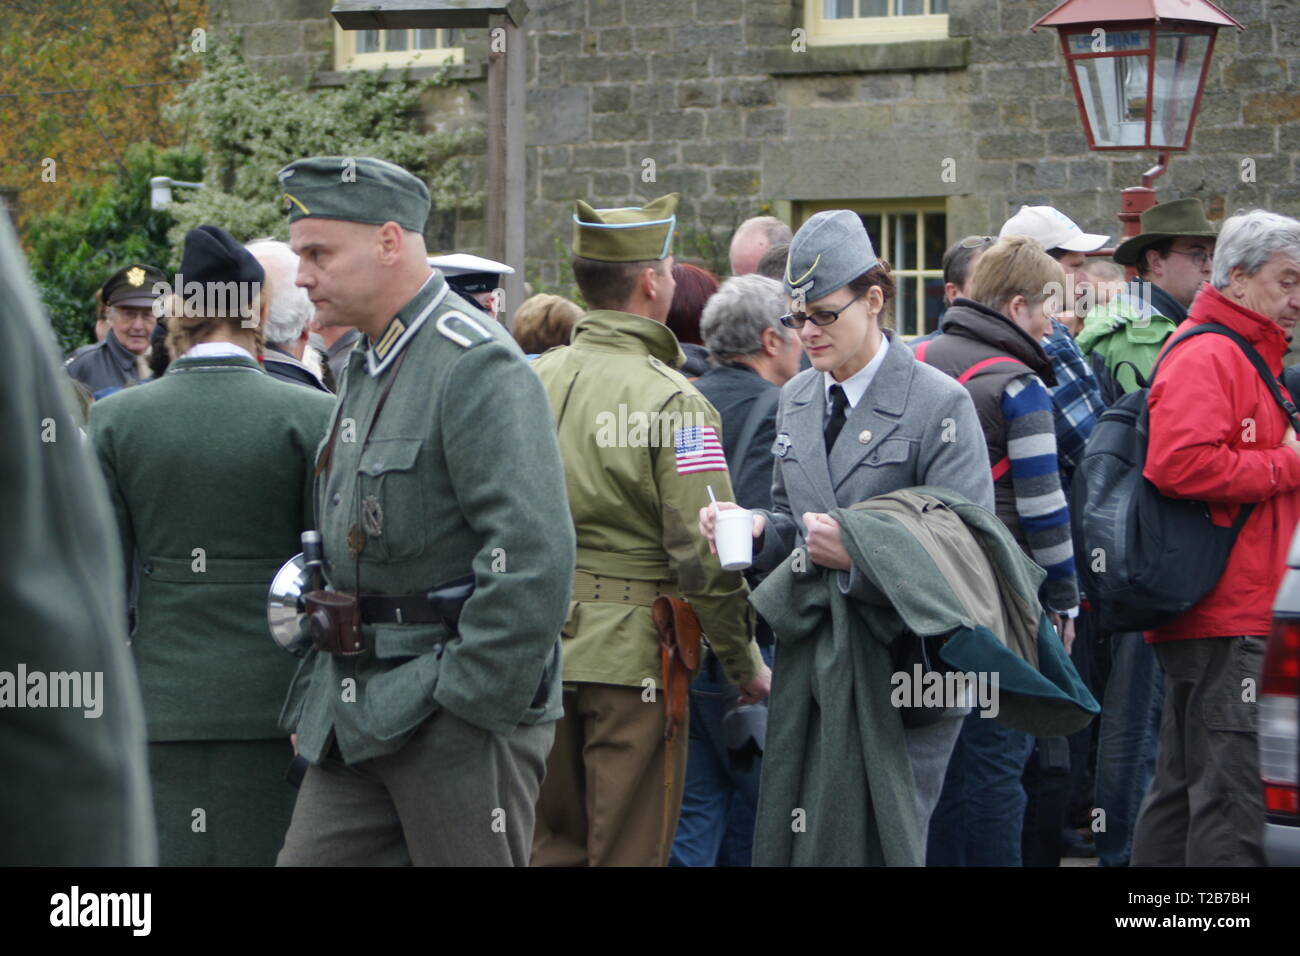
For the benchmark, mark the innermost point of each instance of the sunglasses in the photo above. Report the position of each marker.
(974, 242)
(795, 320)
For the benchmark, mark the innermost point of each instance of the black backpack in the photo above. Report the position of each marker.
(1143, 558)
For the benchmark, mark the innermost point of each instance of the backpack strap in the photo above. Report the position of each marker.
(999, 468)
(1265, 373)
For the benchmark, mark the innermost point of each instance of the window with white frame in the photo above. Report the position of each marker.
(395, 49)
(911, 235)
(875, 21)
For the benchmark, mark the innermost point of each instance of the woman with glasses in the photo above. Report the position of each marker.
(865, 420)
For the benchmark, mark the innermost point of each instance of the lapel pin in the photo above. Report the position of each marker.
(864, 436)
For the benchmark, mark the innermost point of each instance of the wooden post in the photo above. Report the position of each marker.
(505, 180)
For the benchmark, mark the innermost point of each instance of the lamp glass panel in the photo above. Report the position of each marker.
(367, 41)
(1114, 92)
(837, 9)
(1179, 58)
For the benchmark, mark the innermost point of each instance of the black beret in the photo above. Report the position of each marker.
(212, 255)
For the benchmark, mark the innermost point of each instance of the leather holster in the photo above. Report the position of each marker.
(679, 649)
(334, 620)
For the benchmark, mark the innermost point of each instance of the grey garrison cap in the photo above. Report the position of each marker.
(830, 250)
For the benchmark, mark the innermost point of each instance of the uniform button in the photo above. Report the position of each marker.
(336, 499)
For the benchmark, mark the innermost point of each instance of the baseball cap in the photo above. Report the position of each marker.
(1051, 229)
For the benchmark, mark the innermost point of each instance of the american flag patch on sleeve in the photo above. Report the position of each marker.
(698, 449)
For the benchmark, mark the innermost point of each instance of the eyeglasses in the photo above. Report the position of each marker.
(1199, 256)
(795, 320)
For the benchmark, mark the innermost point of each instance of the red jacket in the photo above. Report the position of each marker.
(1216, 435)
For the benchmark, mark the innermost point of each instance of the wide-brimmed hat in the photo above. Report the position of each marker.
(1168, 220)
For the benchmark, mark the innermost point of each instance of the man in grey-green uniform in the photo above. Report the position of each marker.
(72, 752)
(440, 468)
(641, 446)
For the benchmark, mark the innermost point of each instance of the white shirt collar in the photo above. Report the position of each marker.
(218, 349)
(856, 385)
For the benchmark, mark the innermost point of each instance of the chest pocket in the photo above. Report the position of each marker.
(390, 506)
(891, 451)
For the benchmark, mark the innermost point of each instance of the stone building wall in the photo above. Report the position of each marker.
(737, 122)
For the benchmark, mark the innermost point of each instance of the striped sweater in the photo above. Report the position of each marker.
(1035, 476)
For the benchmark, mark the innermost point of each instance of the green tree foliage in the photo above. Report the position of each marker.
(251, 127)
(98, 229)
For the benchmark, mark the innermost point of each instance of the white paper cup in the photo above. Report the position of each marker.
(734, 536)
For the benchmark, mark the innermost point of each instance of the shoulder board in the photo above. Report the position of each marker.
(668, 372)
(461, 329)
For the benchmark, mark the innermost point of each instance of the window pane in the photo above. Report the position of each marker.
(935, 240)
(903, 248)
(938, 6)
(905, 306)
(367, 41)
(910, 8)
(1178, 70)
(873, 8)
(426, 39)
(837, 9)
(872, 221)
(451, 38)
(933, 304)
(394, 39)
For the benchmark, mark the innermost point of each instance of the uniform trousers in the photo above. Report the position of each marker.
(453, 795)
(1205, 806)
(220, 802)
(602, 803)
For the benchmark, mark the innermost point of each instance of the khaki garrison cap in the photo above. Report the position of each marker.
(627, 234)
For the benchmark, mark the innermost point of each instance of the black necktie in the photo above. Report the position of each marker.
(839, 404)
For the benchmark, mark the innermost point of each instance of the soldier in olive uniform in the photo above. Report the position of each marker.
(441, 467)
(641, 446)
(75, 790)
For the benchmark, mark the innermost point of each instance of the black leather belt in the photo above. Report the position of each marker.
(398, 609)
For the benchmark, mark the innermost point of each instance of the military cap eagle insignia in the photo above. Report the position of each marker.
(135, 276)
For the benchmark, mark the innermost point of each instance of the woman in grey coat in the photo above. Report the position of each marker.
(865, 420)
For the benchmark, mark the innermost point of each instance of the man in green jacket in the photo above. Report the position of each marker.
(428, 743)
(75, 791)
(1172, 256)
(641, 446)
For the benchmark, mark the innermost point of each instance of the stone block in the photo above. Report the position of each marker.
(1041, 174)
(618, 127)
(697, 94)
(751, 93)
(765, 123)
(723, 124)
(652, 38)
(579, 70)
(627, 68)
(554, 157)
(1268, 108)
(652, 97)
(615, 40)
(1009, 145)
(544, 15)
(612, 187)
(600, 157)
(702, 154)
(564, 186)
(607, 13)
(674, 13)
(680, 66)
(1005, 83)
(720, 11)
(743, 153)
(1255, 73)
(679, 124)
(1091, 173)
(743, 182)
(610, 99)
(558, 44)
(804, 91)
(557, 116)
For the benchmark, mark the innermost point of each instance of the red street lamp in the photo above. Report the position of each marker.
(1138, 68)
